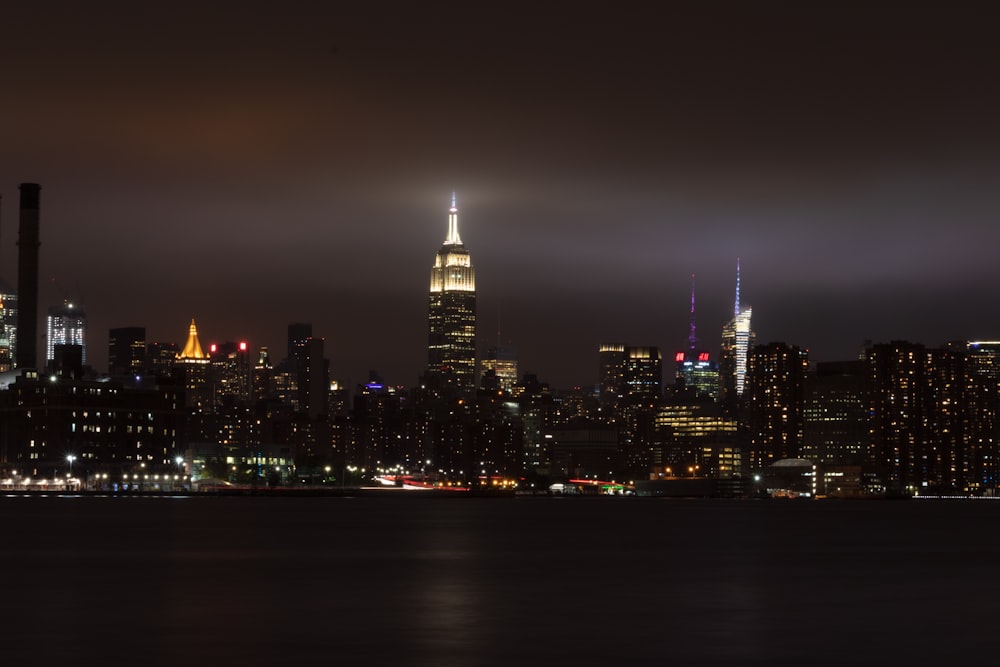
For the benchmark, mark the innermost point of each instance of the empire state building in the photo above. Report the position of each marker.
(451, 345)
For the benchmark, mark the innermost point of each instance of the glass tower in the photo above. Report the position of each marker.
(737, 340)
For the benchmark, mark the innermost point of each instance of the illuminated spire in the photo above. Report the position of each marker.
(692, 339)
(192, 349)
(453, 237)
(736, 310)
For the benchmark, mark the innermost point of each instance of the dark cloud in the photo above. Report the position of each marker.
(252, 164)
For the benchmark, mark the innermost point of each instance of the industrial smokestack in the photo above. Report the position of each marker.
(27, 277)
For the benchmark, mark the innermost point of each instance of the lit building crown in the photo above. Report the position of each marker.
(453, 266)
(192, 349)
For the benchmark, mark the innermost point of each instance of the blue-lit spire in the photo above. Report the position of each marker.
(736, 310)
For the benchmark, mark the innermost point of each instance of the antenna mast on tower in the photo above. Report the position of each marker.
(692, 339)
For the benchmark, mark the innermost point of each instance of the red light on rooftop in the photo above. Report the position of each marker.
(212, 348)
(243, 346)
(679, 357)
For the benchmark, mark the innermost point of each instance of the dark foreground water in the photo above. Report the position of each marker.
(465, 581)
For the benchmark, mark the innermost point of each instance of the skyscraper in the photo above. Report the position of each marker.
(611, 377)
(303, 378)
(230, 372)
(696, 374)
(192, 366)
(737, 339)
(65, 325)
(774, 402)
(643, 375)
(451, 345)
(126, 351)
(8, 327)
(501, 362)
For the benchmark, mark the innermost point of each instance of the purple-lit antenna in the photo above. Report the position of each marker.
(692, 339)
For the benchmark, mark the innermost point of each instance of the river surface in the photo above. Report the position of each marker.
(410, 580)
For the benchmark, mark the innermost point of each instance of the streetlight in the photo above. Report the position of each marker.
(70, 458)
(179, 460)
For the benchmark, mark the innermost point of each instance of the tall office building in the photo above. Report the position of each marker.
(127, 352)
(302, 380)
(643, 374)
(8, 328)
(161, 358)
(696, 375)
(263, 376)
(230, 372)
(611, 374)
(500, 364)
(737, 339)
(696, 439)
(451, 345)
(192, 365)
(65, 325)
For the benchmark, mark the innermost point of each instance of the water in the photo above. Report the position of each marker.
(471, 581)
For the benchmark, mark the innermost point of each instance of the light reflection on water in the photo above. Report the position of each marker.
(495, 581)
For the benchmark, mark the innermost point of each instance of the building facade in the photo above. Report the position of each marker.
(737, 341)
(775, 402)
(127, 352)
(65, 325)
(451, 346)
(499, 367)
(8, 328)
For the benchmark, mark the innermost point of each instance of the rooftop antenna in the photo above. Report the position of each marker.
(692, 339)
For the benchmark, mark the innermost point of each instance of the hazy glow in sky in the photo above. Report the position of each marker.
(251, 165)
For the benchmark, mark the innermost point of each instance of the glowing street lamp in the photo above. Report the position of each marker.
(70, 458)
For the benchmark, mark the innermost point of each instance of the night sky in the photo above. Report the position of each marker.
(254, 164)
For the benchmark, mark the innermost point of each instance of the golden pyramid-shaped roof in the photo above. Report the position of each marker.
(192, 349)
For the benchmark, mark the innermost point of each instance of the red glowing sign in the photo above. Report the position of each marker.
(703, 356)
(679, 357)
(212, 348)
(243, 346)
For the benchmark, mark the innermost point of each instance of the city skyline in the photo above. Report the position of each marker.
(250, 167)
